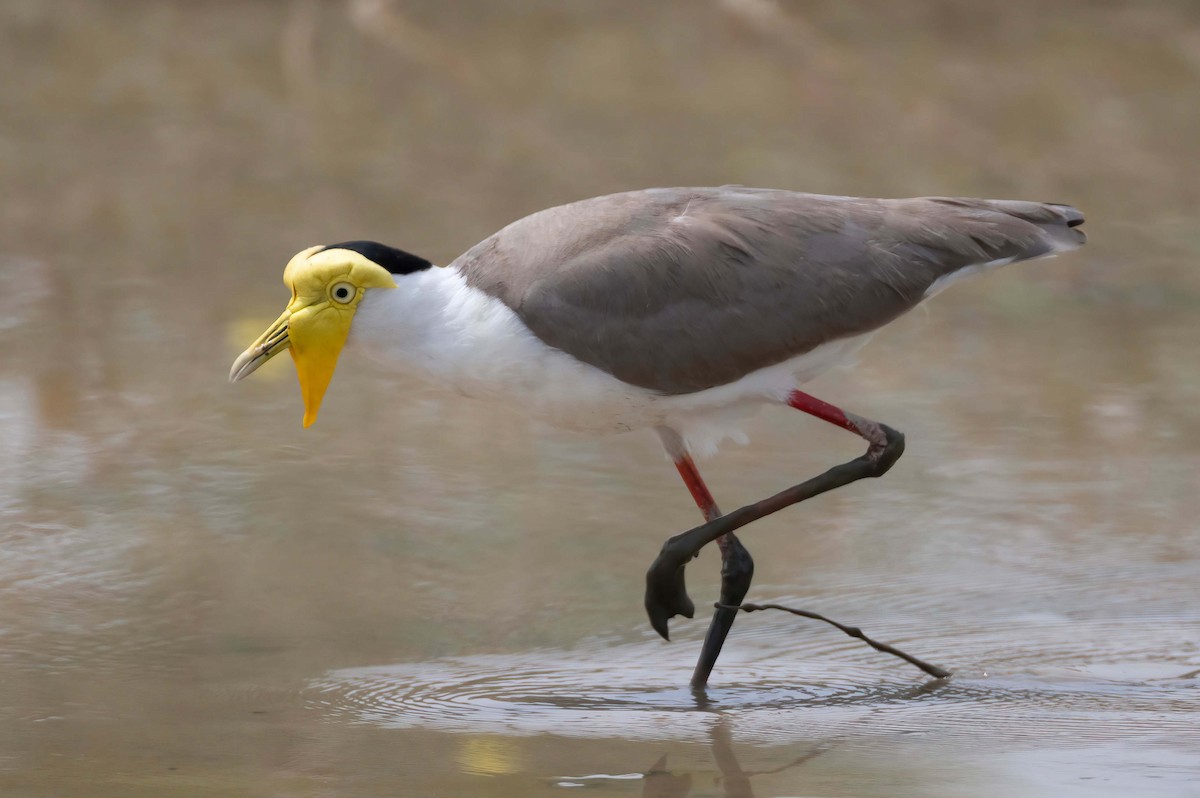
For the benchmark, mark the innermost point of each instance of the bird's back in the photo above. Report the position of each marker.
(679, 290)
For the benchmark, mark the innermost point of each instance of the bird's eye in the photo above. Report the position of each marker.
(343, 292)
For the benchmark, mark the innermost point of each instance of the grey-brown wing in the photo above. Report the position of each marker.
(679, 290)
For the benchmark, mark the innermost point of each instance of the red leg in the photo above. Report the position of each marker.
(870, 431)
(695, 485)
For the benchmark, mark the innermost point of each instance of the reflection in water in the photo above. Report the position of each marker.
(660, 782)
(735, 782)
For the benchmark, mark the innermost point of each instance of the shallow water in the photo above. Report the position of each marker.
(427, 596)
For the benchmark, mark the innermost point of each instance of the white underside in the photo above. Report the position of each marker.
(943, 282)
(436, 325)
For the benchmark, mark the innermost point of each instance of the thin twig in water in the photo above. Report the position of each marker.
(853, 631)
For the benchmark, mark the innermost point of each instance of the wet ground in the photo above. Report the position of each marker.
(425, 596)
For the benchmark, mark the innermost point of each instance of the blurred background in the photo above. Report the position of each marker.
(427, 596)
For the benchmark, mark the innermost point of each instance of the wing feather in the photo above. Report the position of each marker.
(679, 290)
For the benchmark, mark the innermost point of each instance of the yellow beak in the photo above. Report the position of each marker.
(315, 335)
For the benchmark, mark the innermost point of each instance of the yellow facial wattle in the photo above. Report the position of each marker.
(326, 285)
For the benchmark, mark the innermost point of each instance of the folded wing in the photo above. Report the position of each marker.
(679, 290)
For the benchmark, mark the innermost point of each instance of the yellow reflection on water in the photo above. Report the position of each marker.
(489, 755)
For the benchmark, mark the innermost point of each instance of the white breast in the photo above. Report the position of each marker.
(436, 325)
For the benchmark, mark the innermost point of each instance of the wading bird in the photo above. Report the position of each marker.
(678, 310)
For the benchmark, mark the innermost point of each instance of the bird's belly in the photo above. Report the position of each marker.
(569, 394)
(583, 399)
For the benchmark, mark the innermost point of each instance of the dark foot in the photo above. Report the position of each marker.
(885, 456)
(666, 593)
(737, 571)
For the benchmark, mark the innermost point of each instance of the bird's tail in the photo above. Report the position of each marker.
(1059, 223)
(993, 233)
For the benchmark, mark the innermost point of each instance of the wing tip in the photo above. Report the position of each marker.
(1070, 217)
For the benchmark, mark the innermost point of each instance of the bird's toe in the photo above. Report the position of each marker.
(666, 593)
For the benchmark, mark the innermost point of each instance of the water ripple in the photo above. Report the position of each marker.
(786, 693)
